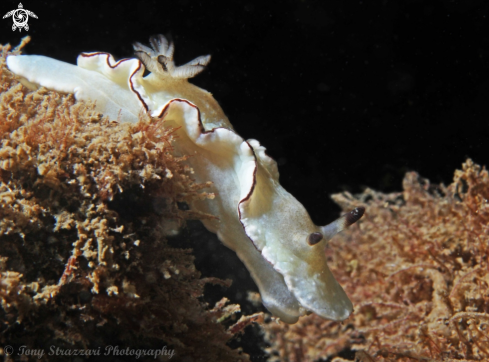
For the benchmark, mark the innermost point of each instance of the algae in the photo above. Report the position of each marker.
(85, 205)
(416, 268)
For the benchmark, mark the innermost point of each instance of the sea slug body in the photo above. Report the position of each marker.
(267, 227)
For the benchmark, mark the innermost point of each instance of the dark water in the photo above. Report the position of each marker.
(344, 94)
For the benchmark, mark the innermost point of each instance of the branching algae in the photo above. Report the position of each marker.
(268, 228)
(417, 270)
(84, 263)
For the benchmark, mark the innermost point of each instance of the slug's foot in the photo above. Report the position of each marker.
(159, 59)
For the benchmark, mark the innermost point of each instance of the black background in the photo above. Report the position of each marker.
(344, 94)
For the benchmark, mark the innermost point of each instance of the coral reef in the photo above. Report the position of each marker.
(416, 268)
(85, 204)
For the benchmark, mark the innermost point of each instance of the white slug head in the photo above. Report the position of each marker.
(282, 230)
(159, 59)
(301, 260)
(287, 260)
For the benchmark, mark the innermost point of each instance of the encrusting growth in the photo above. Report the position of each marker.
(85, 204)
(255, 216)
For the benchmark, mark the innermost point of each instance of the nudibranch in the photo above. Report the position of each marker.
(270, 231)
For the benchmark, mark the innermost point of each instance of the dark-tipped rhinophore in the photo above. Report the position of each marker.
(342, 222)
(354, 215)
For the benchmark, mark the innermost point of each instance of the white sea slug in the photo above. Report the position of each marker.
(267, 227)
